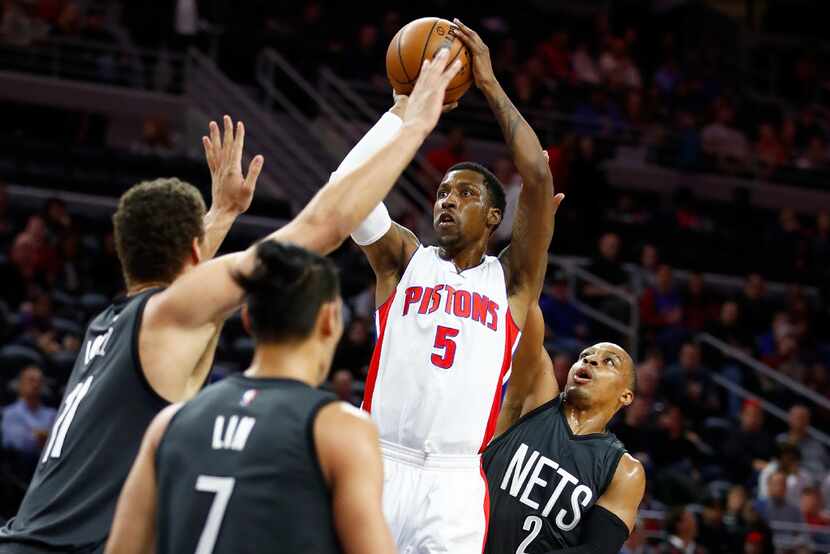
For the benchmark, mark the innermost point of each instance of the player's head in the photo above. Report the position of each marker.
(158, 227)
(293, 298)
(603, 377)
(468, 207)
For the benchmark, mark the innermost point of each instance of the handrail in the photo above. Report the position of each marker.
(285, 155)
(630, 329)
(767, 406)
(329, 78)
(343, 128)
(765, 370)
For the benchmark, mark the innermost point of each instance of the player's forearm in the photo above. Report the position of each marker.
(340, 206)
(217, 224)
(520, 138)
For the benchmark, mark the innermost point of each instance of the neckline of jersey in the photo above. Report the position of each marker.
(571, 434)
(455, 267)
(268, 380)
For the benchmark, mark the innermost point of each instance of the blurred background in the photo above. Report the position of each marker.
(690, 138)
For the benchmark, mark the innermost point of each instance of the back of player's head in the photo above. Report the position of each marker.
(155, 224)
(495, 189)
(286, 290)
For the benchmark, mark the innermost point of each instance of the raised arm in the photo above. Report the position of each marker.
(134, 527)
(231, 192)
(180, 321)
(532, 227)
(347, 445)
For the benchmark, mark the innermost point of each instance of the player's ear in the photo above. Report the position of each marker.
(329, 320)
(195, 251)
(246, 319)
(627, 397)
(493, 217)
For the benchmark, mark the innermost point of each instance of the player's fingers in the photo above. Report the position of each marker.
(208, 153)
(254, 169)
(238, 144)
(546, 155)
(227, 142)
(466, 30)
(215, 138)
(557, 200)
(451, 72)
(449, 107)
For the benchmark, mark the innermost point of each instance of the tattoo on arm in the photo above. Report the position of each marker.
(509, 119)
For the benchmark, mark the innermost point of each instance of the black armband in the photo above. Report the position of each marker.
(602, 532)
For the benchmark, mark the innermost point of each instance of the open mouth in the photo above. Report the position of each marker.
(583, 375)
(446, 219)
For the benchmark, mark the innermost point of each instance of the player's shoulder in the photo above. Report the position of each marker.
(160, 423)
(630, 473)
(345, 422)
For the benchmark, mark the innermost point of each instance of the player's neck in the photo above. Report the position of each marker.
(300, 361)
(464, 257)
(586, 421)
(136, 288)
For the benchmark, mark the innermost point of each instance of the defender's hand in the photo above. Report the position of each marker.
(232, 192)
(482, 65)
(427, 99)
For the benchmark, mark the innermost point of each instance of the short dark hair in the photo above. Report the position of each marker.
(286, 289)
(154, 226)
(494, 187)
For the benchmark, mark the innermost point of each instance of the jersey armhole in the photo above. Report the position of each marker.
(142, 303)
(532, 413)
(615, 462)
(312, 444)
(163, 438)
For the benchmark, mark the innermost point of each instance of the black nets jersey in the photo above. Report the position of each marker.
(238, 472)
(542, 479)
(107, 407)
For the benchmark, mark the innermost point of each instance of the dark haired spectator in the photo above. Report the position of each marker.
(556, 56)
(699, 307)
(724, 141)
(26, 423)
(566, 326)
(814, 457)
(814, 514)
(753, 305)
(342, 383)
(689, 385)
(355, 349)
(712, 533)
(776, 506)
(585, 70)
(634, 428)
(748, 448)
(617, 68)
(608, 267)
(730, 328)
(645, 273)
(796, 478)
(682, 529)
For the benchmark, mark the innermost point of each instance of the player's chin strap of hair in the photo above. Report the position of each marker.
(602, 532)
(378, 222)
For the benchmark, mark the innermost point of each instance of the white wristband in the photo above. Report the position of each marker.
(376, 224)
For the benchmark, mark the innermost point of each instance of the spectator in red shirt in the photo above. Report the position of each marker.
(555, 53)
(455, 151)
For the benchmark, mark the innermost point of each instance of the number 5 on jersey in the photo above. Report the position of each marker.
(446, 346)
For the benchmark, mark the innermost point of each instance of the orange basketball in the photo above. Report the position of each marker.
(420, 40)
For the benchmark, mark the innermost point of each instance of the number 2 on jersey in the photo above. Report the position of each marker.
(222, 487)
(443, 341)
(534, 525)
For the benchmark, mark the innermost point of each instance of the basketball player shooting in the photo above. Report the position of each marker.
(447, 322)
(558, 481)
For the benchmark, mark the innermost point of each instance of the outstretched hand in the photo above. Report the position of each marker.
(426, 102)
(482, 65)
(231, 191)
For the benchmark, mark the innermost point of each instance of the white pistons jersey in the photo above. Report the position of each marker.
(445, 346)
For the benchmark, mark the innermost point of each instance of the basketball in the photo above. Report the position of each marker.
(420, 40)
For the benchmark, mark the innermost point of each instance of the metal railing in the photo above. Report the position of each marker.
(574, 273)
(765, 371)
(333, 131)
(290, 171)
(99, 62)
